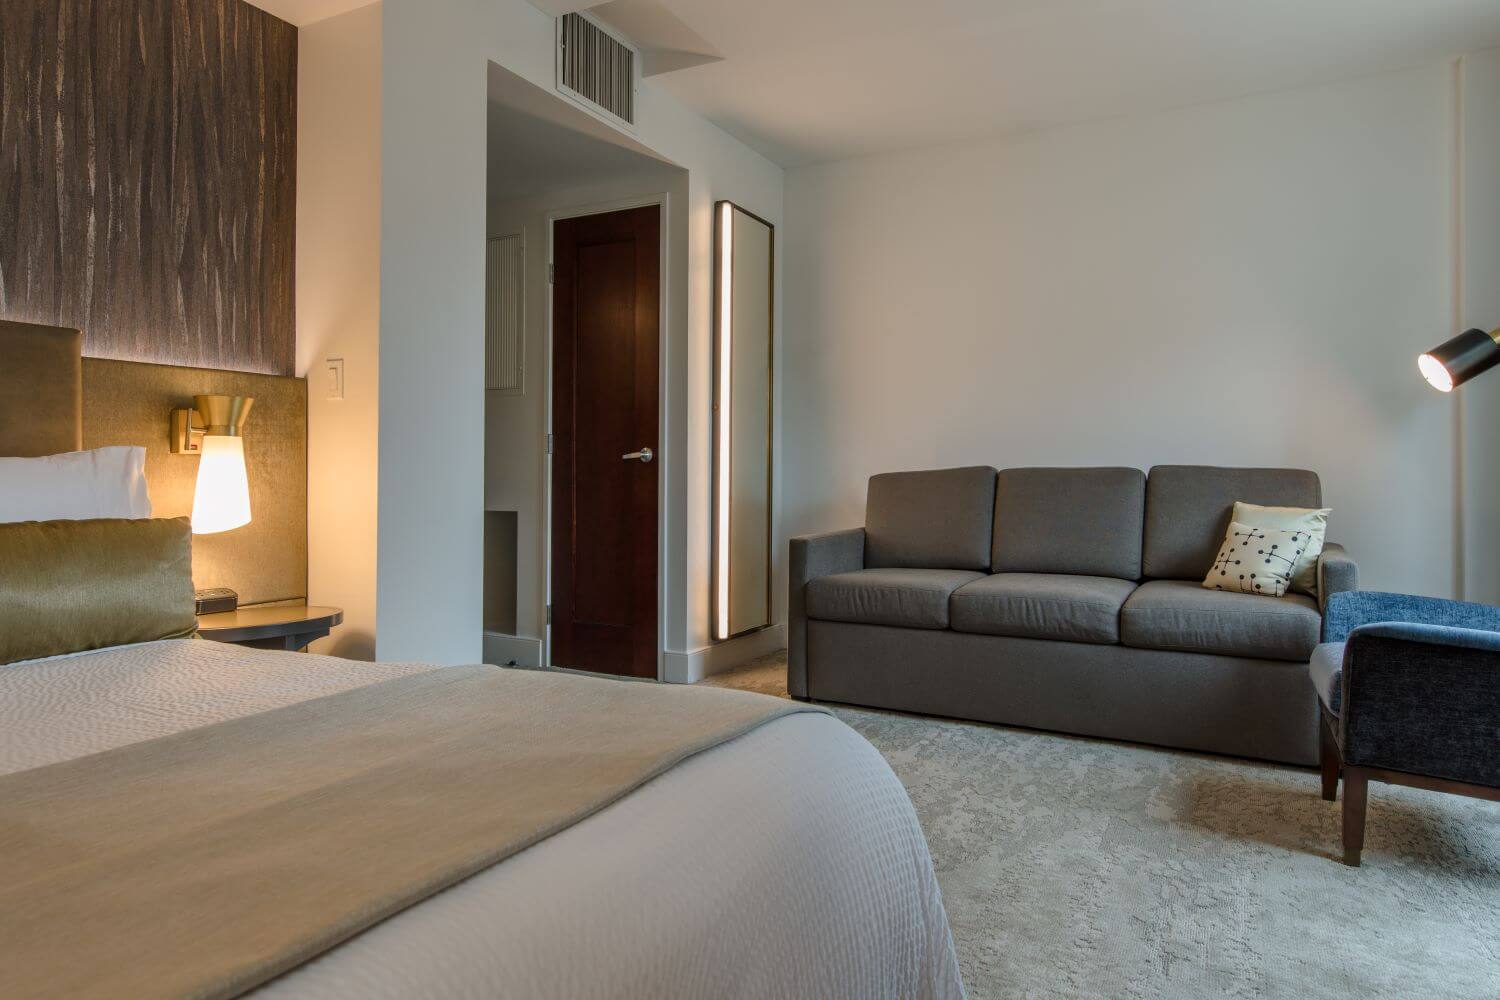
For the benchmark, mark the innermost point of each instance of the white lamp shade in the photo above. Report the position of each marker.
(1435, 373)
(222, 498)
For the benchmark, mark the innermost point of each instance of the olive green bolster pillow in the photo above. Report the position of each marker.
(67, 586)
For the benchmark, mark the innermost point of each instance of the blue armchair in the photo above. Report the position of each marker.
(1410, 692)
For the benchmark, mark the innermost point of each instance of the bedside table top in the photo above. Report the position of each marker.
(268, 621)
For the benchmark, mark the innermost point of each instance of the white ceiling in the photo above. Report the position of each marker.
(811, 80)
(806, 81)
(300, 12)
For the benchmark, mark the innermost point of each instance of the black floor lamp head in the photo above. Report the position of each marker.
(1453, 363)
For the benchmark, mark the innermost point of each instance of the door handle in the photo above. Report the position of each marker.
(645, 455)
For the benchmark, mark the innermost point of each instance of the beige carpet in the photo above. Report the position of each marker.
(1081, 868)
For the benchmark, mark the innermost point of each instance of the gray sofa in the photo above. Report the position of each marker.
(1063, 599)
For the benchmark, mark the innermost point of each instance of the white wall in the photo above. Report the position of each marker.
(1479, 214)
(1244, 283)
(432, 306)
(338, 312)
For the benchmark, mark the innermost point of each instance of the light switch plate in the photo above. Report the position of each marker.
(335, 378)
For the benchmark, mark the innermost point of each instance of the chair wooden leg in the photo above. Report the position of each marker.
(1328, 753)
(1356, 785)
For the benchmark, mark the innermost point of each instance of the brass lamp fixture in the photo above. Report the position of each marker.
(219, 416)
(1454, 362)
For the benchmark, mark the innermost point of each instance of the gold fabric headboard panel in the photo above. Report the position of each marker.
(127, 402)
(41, 389)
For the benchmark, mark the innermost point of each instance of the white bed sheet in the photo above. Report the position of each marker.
(786, 863)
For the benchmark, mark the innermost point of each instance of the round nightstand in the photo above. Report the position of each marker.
(271, 626)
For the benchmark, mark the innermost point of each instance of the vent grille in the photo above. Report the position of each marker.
(503, 315)
(595, 66)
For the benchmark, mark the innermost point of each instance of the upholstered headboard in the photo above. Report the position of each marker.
(41, 389)
(51, 401)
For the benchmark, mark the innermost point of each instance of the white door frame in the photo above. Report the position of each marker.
(664, 455)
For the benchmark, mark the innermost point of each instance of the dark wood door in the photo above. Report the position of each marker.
(605, 405)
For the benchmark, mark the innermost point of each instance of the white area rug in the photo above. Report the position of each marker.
(1081, 868)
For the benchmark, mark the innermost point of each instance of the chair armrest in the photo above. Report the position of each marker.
(1452, 636)
(1337, 572)
(813, 556)
(1424, 699)
(1345, 612)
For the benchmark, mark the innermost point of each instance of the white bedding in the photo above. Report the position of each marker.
(786, 863)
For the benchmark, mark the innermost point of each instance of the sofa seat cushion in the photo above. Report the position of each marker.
(1326, 668)
(1042, 606)
(913, 598)
(1181, 614)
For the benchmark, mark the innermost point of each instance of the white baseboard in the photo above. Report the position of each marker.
(503, 649)
(694, 665)
(678, 668)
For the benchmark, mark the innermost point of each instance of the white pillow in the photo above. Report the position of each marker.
(75, 486)
(1256, 560)
(1311, 521)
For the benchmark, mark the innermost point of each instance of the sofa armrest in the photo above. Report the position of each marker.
(1347, 611)
(1422, 698)
(813, 556)
(1337, 572)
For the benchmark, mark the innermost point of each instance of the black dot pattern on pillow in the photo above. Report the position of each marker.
(1257, 560)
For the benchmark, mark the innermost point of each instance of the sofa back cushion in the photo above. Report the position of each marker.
(1085, 522)
(1188, 509)
(930, 520)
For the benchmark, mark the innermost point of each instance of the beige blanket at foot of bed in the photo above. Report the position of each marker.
(206, 863)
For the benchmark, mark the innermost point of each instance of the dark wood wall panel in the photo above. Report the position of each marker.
(148, 153)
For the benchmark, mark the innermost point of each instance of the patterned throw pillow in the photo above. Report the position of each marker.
(1257, 560)
(1312, 520)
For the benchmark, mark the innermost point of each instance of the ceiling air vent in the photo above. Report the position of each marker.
(595, 68)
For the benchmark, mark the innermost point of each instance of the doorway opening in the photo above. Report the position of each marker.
(576, 567)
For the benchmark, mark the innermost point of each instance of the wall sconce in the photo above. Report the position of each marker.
(213, 430)
(1454, 362)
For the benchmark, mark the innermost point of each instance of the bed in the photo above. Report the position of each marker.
(782, 861)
